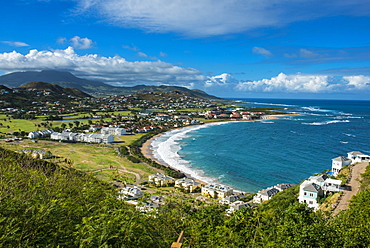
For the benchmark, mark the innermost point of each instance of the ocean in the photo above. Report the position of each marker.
(250, 156)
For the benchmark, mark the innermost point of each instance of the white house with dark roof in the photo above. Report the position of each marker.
(315, 187)
(131, 193)
(216, 190)
(267, 194)
(338, 163)
(309, 192)
(236, 206)
(230, 199)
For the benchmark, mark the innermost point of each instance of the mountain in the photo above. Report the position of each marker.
(68, 80)
(53, 89)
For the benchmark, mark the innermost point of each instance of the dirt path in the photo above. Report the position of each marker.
(352, 187)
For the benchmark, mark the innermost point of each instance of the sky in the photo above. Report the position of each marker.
(310, 49)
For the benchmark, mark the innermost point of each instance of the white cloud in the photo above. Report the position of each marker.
(114, 70)
(81, 43)
(261, 51)
(224, 80)
(305, 53)
(141, 54)
(132, 47)
(162, 54)
(359, 82)
(61, 40)
(296, 84)
(216, 17)
(15, 43)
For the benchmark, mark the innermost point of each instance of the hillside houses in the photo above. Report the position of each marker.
(316, 187)
(352, 157)
(267, 194)
(82, 137)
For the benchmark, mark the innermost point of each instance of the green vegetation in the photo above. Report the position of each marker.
(43, 205)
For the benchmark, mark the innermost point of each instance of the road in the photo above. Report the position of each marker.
(352, 187)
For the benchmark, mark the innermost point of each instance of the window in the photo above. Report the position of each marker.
(310, 202)
(311, 194)
(305, 193)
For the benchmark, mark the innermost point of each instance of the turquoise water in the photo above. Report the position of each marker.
(254, 155)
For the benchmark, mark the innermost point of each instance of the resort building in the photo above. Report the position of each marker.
(40, 134)
(81, 137)
(161, 180)
(216, 190)
(188, 184)
(113, 130)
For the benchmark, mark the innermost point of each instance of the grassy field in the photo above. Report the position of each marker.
(101, 161)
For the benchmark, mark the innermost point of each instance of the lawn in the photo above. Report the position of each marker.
(87, 157)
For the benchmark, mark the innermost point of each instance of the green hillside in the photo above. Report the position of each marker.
(43, 205)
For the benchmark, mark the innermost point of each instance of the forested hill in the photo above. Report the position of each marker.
(37, 92)
(42, 205)
(52, 89)
(68, 80)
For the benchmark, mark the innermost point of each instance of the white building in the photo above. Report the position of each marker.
(309, 193)
(216, 190)
(113, 130)
(131, 193)
(230, 199)
(236, 206)
(267, 194)
(316, 187)
(81, 137)
(358, 157)
(338, 163)
(40, 134)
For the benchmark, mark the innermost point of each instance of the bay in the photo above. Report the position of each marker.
(250, 156)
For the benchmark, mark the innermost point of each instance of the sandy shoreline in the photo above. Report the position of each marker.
(147, 148)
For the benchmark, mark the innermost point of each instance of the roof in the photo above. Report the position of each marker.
(341, 158)
(319, 178)
(310, 186)
(356, 153)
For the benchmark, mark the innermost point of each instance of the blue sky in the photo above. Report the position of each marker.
(228, 48)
